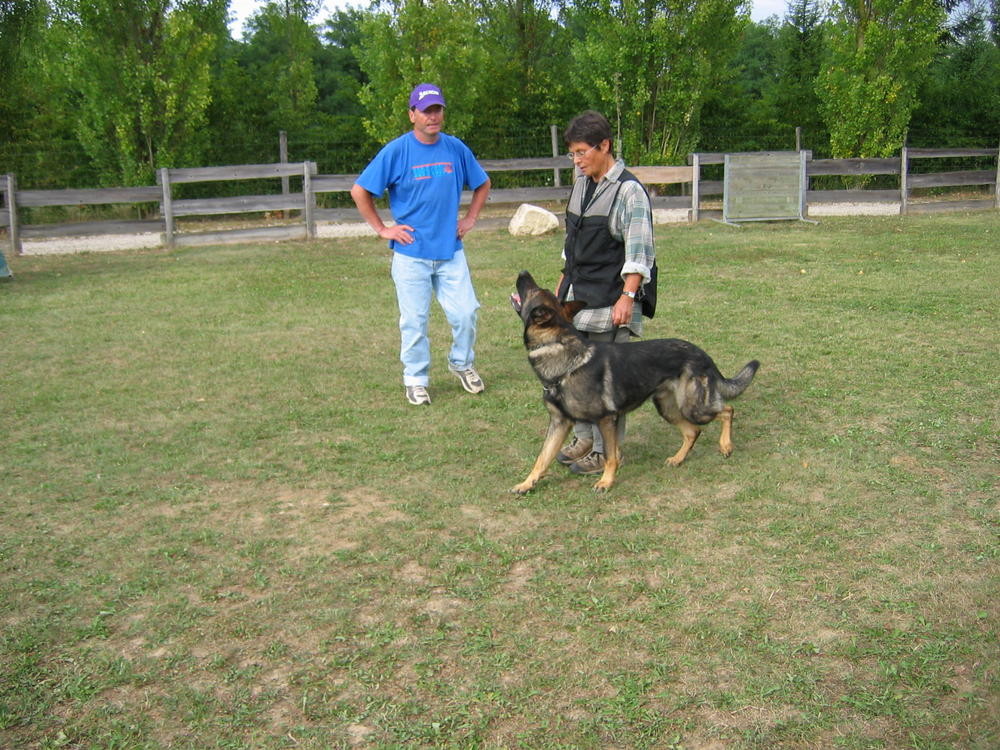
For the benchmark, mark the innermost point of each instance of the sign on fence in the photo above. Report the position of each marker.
(764, 186)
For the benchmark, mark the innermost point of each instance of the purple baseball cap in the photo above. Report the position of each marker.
(426, 95)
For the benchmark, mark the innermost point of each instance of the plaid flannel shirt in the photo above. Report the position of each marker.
(631, 222)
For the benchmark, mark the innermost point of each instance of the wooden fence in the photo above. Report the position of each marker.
(968, 178)
(698, 196)
(285, 201)
(909, 181)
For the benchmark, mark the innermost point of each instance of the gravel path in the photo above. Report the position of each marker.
(113, 242)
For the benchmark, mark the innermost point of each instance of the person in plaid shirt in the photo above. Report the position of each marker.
(609, 259)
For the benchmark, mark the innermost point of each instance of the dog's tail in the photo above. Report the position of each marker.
(734, 386)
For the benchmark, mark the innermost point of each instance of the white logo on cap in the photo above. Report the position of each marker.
(428, 92)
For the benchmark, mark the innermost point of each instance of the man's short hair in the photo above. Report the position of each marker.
(588, 127)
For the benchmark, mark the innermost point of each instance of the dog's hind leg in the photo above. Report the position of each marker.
(726, 438)
(690, 433)
(554, 438)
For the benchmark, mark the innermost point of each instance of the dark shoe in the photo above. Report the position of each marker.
(470, 380)
(592, 463)
(574, 451)
(417, 395)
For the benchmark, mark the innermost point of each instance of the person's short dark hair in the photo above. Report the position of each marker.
(588, 127)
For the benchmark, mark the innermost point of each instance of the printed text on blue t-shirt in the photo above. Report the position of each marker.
(427, 171)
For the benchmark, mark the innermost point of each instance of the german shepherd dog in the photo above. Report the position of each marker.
(587, 381)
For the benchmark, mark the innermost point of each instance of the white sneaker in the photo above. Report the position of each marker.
(470, 380)
(417, 395)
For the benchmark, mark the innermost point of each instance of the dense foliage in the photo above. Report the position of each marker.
(101, 92)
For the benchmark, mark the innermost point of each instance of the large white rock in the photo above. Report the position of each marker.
(532, 220)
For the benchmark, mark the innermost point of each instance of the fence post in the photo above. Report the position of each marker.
(12, 228)
(554, 131)
(695, 187)
(283, 158)
(309, 197)
(167, 207)
(804, 156)
(903, 188)
(996, 185)
(798, 138)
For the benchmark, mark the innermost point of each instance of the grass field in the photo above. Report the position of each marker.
(223, 526)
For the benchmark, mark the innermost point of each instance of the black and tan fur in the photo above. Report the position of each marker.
(586, 381)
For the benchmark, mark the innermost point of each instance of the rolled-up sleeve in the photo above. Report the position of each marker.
(633, 224)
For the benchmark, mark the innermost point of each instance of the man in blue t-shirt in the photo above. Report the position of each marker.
(425, 171)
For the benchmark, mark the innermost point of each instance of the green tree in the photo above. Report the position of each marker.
(800, 50)
(406, 42)
(877, 54)
(650, 64)
(339, 79)
(292, 75)
(21, 26)
(339, 76)
(18, 18)
(140, 75)
(530, 82)
(739, 113)
(960, 98)
(281, 48)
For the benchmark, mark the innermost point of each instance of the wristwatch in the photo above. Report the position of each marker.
(627, 293)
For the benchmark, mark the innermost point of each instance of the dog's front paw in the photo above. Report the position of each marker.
(523, 488)
(603, 486)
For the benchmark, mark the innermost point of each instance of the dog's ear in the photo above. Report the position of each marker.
(542, 314)
(572, 308)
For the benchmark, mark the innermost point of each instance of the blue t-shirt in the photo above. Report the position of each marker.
(425, 183)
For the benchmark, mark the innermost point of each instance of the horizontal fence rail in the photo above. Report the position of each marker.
(699, 196)
(819, 167)
(87, 197)
(238, 172)
(238, 205)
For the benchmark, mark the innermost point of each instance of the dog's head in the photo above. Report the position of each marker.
(539, 307)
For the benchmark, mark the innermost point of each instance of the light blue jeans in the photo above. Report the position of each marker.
(417, 282)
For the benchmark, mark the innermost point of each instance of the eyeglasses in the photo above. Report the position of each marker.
(574, 155)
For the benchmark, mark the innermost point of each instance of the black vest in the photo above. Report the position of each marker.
(594, 258)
